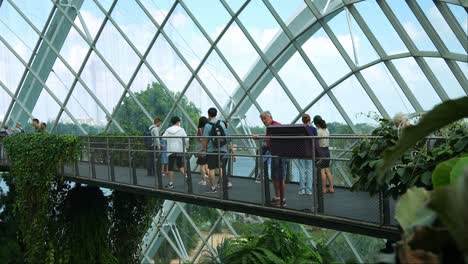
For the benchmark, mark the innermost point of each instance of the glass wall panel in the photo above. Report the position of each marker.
(186, 37)
(440, 25)
(274, 99)
(66, 126)
(158, 9)
(446, 78)
(352, 39)
(36, 11)
(92, 18)
(300, 80)
(260, 24)
(218, 79)
(360, 109)
(212, 24)
(12, 69)
(327, 110)
(102, 82)
(116, 51)
(460, 14)
(417, 82)
(288, 10)
(134, 23)
(74, 49)
(16, 31)
(84, 108)
(168, 65)
(387, 90)
(46, 108)
(235, 4)
(326, 58)
(411, 25)
(60, 80)
(381, 27)
(238, 50)
(5, 100)
(464, 67)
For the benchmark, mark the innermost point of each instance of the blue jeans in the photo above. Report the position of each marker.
(305, 175)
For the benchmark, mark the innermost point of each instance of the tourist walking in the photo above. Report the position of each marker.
(201, 158)
(177, 144)
(324, 163)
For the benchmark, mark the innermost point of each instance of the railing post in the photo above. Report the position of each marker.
(109, 173)
(92, 161)
(159, 184)
(318, 204)
(187, 167)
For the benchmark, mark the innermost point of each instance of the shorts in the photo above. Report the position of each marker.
(176, 162)
(213, 161)
(324, 163)
(278, 168)
(201, 160)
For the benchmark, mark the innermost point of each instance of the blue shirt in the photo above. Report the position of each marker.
(206, 133)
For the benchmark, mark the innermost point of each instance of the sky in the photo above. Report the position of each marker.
(235, 47)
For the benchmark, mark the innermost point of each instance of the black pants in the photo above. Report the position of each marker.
(150, 161)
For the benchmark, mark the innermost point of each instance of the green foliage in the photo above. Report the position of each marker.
(414, 167)
(56, 223)
(440, 116)
(83, 227)
(131, 216)
(411, 210)
(276, 244)
(35, 162)
(450, 204)
(158, 103)
(441, 174)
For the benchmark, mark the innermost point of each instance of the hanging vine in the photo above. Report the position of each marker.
(35, 162)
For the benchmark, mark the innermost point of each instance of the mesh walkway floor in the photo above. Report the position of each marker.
(341, 208)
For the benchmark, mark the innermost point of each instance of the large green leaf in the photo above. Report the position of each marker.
(451, 204)
(440, 116)
(411, 209)
(459, 168)
(441, 174)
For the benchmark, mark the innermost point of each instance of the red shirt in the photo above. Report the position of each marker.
(268, 143)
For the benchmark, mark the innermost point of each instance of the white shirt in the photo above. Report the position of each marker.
(323, 142)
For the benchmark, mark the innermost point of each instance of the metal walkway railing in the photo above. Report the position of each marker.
(126, 163)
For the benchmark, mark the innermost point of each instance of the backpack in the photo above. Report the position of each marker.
(218, 130)
(147, 137)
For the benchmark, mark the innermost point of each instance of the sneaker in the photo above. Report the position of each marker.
(202, 182)
(169, 186)
(301, 192)
(309, 193)
(229, 184)
(257, 181)
(212, 190)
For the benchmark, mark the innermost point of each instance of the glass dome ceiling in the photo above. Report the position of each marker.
(77, 61)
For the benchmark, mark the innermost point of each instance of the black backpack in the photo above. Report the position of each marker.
(218, 131)
(147, 137)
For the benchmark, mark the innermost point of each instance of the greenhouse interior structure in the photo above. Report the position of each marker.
(342, 133)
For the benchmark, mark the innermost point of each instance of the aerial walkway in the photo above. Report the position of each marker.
(122, 163)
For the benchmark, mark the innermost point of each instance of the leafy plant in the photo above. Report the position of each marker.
(276, 244)
(413, 168)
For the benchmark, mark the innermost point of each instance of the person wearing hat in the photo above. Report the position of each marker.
(324, 163)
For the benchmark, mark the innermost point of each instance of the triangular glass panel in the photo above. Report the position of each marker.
(74, 49)
(35, 11)
(60, 80)
(446, 78)
(92, 18)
